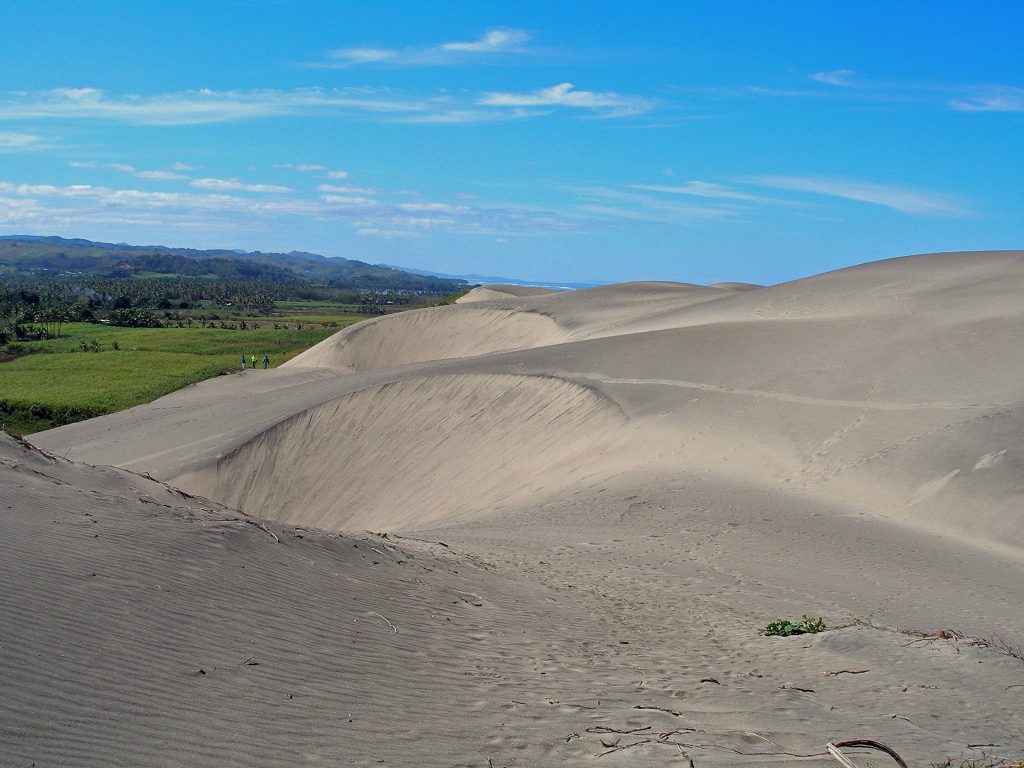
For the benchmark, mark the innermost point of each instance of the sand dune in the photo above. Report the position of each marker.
(431, 334)
(491, 292)
(519, 437)
(662, 465)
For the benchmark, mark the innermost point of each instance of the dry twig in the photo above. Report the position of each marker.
(380, 615)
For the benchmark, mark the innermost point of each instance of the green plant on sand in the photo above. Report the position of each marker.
(785, 627)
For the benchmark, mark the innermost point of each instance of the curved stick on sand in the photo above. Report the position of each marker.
(380, 615)
(833, 749)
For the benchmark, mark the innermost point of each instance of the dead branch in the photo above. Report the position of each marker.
(661, 709)
(845, 672)
(380, 615)
(834, 747)
(264, 528)
(607, 729)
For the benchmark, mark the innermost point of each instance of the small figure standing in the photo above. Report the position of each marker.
(253, 361)
(243, 362)
(266, 362)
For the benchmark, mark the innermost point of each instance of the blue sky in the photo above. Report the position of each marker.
(577, 141)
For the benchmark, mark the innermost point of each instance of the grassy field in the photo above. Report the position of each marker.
(56, 381)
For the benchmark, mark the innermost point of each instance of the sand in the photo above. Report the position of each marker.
(628, 481)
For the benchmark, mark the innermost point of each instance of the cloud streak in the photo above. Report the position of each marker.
(494, 42)
(992, 99)
(838, 77)
(11, 141)
(902, 199)
(197, 107)
(391, 216)
(232, 185)
(565, 95)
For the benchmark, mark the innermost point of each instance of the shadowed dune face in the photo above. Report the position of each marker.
(416, 451)
(430, 334)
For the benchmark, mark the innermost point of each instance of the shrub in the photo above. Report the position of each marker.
(38, 411)
(785, 628)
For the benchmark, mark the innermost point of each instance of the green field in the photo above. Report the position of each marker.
(132, 366)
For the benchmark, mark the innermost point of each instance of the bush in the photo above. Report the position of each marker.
(38, 411)
(785, 628)
(4, 408)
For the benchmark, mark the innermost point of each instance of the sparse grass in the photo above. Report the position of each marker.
(95, 369)
(786, 628)
(981, 760)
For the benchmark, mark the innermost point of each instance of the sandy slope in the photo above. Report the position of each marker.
(664, 465)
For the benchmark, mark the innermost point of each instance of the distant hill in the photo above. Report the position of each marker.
(30, 256)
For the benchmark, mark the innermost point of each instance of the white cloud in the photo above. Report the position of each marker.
(159, 175)
(432, 207)
(609, 202)
(181, 167)
(336, 175)
(347, 190)
(698, 189)
(388, 234)
(18, 142)
(364, 55)
(840, 77)
(123, 167)
(348, 201)
(499, 40)
(564, 95)
(303, 167)
(992, 99)
(195, 107)
(470, 116)
(235, 184)
(901, 199)
(50, 207)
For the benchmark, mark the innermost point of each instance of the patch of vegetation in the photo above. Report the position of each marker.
(983, 760)
(785, 628)
(93, 369)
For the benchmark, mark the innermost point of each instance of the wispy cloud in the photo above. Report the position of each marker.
(19, 142)
(229, 185)
(840, 77)
(388, 234)
(564, 95)
(615, 203)
(302, 167)
(500, 40)
(160, 175)
(494, 40)
(902, 199)
(126, 168)
(346, 189)
(206, 106)
(389, 215)
(472, 116)
(992, 99)
(196, 107)
(701, 189)
(336, 175)
(123, 167)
